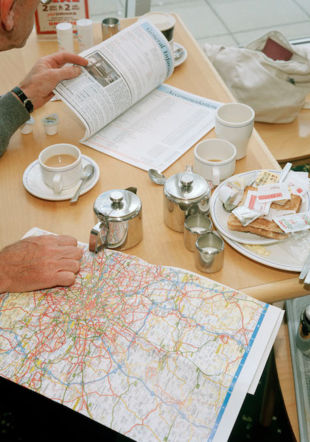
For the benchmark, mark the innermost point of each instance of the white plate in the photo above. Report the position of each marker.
(288, 254)
(220, 216)
(183, 56)
(33, 182)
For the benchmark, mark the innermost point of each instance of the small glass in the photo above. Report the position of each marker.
(194, 226)
(209, 253)
(50, 123)
(109, 27)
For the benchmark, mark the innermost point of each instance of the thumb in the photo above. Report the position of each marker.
(67, 72)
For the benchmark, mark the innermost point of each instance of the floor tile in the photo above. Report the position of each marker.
(246, 15)
(304, 4)
(198, 17)
(100, 7)
(290, 31)
(225, 40)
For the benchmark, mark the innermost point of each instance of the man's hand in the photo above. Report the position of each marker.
(39, 262)
(47, 73)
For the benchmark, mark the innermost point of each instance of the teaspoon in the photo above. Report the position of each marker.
(88, 172)
(156, 177)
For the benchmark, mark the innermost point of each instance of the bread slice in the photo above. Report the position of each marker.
(261, 226)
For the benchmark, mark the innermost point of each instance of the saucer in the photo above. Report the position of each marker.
(183, 56)
(34, 184)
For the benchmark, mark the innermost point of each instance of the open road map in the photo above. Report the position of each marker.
(155, 353)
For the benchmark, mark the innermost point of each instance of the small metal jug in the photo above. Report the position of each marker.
(185, 193)
(120, 221)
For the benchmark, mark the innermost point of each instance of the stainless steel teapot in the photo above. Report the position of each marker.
(120, 221)
(185, 193)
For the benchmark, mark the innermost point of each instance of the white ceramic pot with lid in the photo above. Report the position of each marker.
(185, 193)
(120, 221)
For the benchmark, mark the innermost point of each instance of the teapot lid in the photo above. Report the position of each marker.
(186, 186)
(117, 205)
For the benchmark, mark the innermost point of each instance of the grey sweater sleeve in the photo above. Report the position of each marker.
(12, 115)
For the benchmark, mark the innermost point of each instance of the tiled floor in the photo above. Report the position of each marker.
(228, 22)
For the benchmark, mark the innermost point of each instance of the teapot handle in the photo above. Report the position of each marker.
(98, 236)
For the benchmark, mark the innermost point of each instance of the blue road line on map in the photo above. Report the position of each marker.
(232, 385)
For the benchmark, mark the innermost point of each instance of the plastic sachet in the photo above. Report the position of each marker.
(231, 193)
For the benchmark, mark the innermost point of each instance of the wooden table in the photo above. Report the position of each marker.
(289, 141)
(21, 211)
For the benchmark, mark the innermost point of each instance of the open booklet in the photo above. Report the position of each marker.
(127, 111)
(153, 352)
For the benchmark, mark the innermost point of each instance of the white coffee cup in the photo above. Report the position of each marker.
(234, 122)
(61, 166)
(215, 159)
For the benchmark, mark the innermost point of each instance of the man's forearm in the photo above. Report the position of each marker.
(12, 115)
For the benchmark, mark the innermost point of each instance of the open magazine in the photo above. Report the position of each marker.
(127, 111)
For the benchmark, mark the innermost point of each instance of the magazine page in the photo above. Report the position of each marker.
(121, 70)
(157, 130)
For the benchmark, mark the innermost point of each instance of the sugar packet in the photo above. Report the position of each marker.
(273, 192)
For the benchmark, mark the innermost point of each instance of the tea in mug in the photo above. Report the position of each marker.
(60, 160)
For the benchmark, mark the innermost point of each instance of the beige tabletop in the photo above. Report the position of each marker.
(289, 141)
(22, 211)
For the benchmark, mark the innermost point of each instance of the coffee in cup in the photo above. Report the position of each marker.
(61, 166)
(60, 160)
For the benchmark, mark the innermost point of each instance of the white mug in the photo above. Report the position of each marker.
(215, 159)
(234, 122)
(61, 166)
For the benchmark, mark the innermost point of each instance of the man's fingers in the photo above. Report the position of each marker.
(66, 240)
(64, 278)
(65, 73)
(71, 252)
(61, 58)
(69, 265)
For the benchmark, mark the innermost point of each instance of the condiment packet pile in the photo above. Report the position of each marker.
(257, 203)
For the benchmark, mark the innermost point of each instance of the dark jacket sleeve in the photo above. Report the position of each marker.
(12, 115)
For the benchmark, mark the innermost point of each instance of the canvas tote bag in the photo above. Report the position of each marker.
(275, 89)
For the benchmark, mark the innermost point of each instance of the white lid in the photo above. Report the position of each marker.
(64, 27)
(84, 22)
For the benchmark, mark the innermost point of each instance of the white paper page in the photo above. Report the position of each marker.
(121, 70)
(158, 129)
(231, 406)
(264, 358)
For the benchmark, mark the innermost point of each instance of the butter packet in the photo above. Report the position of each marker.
(266, 177)
(245, 215)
